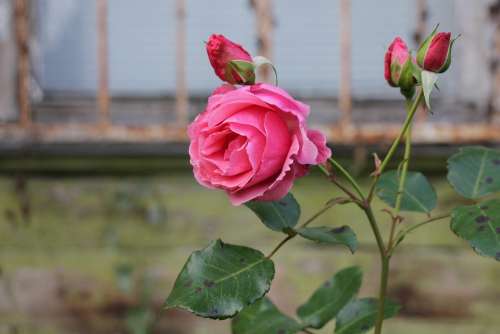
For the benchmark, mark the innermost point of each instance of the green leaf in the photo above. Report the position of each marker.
(280, 215)
(479, 224)
(343, 235)
(475, 171)
(428, 81)
(263, 318)
(418, 193)
(219, 281)
(360, 315)
(331, 297)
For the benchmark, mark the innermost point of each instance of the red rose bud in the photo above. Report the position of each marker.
(434, 54)
(231, 62)
(398, 67)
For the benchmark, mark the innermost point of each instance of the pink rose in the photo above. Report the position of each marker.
(253, 142)
(230, 61)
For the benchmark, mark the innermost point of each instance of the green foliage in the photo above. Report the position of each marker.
(331, 297)
(220, 280)
(281, 216)
(263, 317)
(359, 315)
(475, 171)
(479, 224)
(343, 235)
(418, 194)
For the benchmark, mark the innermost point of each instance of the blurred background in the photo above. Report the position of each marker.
(98, 206)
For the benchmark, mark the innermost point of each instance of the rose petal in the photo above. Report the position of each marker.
(279, 98)
(276, 148)
(281, 188)
(248, 193)
(319, 139)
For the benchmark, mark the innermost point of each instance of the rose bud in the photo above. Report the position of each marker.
(253, 142)
(230, 61)
(434, 54)
(398, 67)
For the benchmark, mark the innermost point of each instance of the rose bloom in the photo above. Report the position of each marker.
(253, 142)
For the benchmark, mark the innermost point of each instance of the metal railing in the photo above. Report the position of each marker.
(344, 131)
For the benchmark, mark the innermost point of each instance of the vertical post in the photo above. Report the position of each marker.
(22, 28)
(420, 33)
(264, 19)
(421, 26)
(345, 95)
(495, 64)
(181, 95)
(102, 56)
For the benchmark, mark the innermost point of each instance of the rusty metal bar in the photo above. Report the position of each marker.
(426, 133)
(421, 27)
(181, 93)
(495, 64)
(22, 28)
(102, 56)
(264, 20)
(345, 92)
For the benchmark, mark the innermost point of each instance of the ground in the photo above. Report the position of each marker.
(98, 254)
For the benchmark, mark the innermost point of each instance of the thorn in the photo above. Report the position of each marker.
(377, 162)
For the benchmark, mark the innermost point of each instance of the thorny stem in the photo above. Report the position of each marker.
(392, 149)
(365, 204)
(402, 180)
(386, 253)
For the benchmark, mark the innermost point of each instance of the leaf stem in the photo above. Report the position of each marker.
(281, 244)
(409, 118)
(347, 175)
(340, 185)
(327, 206)
(410, 229)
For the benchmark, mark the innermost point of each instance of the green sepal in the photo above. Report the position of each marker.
(447, 64)
(429, 80)
(424, 47)
(244, 69)
(259, 61)
(406, 80)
